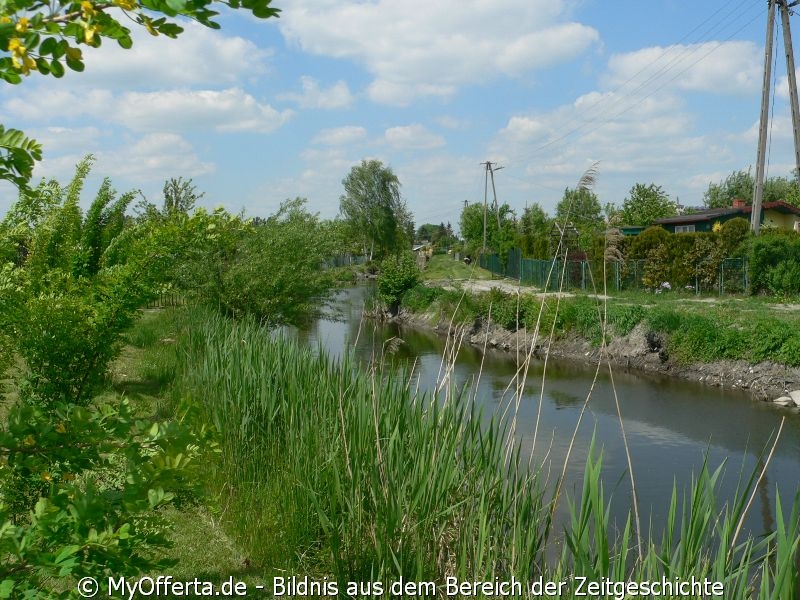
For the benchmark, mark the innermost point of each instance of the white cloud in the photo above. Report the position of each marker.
(449, 122)
(719, 67)
(422, 48)
(224, 111)
(199, 56)
(525, 129)
(413, 137)
(154, 157)
(58, 104)
(340, 136)
(171, 110)
(336, 96)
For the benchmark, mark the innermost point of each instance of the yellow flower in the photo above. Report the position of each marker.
(87, 9)
(22, 25)
(30, 440)
(19, 56)
(47, 477)
(88, 33)
(5, 19)
(126, 4)
(60, 428)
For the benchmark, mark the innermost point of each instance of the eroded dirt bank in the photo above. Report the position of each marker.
(640, 350)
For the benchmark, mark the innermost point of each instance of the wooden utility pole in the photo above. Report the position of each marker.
(758, 190)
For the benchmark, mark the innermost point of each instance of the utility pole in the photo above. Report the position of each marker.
(489, 173)
(787, 45)
(485, 194)
(758, 190)
(494, 192)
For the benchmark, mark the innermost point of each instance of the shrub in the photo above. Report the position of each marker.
(420, 297)
(772, 260)
(399, 274)
(624, 317)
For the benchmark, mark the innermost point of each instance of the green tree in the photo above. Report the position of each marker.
(646, 203)
(180, 196)
(275, 272)
(49, 37)
(374, 210)
(534, 232)
(581, 208)
(82, 480)
(501, 228)
(738, 184)
(399, 273)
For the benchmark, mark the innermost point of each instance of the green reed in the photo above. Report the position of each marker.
(330, 470)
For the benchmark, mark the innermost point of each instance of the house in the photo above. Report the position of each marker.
(776, 215)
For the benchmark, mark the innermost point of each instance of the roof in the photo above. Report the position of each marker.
(715, 213)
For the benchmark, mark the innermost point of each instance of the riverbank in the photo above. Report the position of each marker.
(708, 342)
(354, 479)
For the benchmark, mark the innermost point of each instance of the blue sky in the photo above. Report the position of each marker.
(261, 111)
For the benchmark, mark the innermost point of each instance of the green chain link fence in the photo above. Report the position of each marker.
(732, 274)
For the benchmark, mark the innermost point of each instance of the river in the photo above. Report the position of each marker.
(671, 426)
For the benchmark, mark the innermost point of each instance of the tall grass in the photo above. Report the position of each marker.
(341, 473)
(333, 472)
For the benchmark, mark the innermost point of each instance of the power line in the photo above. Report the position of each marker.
(630, 101)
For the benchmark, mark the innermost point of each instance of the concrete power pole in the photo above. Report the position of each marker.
(485, 197)
(489, 172)
(787, 44)
(758, 190)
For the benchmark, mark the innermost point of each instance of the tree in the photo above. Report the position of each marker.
(646, 203)
(501, 228)
(740, 184)
(374, 210)
(534, 232)
(399, 273)
(581, 208)
(82, 478)
(49, 37)
(180, 196)
(275, 272)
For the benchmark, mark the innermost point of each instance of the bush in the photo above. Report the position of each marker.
(624, 317)
(398, 275)
(773, 261)
(420, 297)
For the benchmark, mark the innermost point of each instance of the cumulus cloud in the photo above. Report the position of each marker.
(199, 56)
(61, 104)
(313, 96)
(421, 48)
(154, 157)
(733, 67)
(224, 111)
(413, 137)
(340, 136)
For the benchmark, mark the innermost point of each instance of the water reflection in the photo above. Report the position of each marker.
(671, 425)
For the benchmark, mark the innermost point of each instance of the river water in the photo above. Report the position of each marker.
(671, 426)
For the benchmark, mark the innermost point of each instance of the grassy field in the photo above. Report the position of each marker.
(445, 267)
